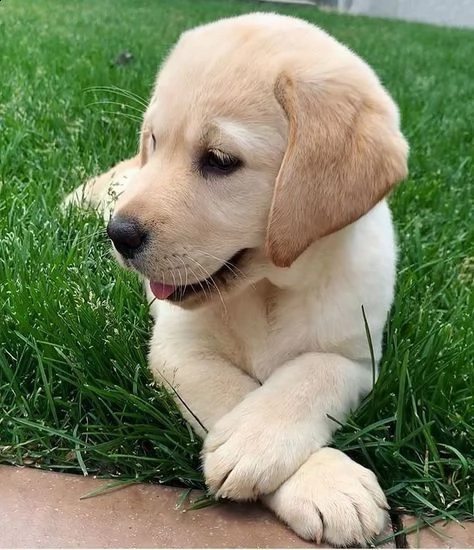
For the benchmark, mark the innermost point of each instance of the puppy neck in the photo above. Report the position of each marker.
(315, 263)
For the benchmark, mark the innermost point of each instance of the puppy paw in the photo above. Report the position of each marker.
(252, 450)
(331, 498)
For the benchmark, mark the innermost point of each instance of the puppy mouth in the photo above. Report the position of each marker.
(204, 288)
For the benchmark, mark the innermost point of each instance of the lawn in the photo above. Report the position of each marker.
(75, 394)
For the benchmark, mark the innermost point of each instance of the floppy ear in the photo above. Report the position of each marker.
(344, 154)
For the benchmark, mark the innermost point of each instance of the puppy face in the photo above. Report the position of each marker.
(263, 135)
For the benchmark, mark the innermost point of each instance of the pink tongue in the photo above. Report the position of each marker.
(160, 290)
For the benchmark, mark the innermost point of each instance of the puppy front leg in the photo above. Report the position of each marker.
(258, 445)
(100, 193)
(205, 389)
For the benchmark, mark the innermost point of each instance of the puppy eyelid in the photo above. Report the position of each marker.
(216, 162)
(153, 142)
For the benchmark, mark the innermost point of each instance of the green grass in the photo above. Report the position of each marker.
(75, 394)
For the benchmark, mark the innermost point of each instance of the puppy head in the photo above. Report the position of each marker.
(263, 135)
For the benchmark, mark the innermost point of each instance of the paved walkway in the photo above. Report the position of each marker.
(41, 509)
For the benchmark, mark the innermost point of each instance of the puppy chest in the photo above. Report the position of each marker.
(267, 334)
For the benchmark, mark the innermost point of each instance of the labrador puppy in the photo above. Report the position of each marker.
(255, 214)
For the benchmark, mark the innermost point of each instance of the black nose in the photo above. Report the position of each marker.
(127, 235)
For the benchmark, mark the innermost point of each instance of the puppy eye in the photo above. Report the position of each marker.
(219, 163)
(153, 142)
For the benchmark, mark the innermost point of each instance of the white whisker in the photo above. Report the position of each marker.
(120, 92)
(230, 266)
(199, 282)
(186, 276)
(172, 272)
(211, 279)
(181, 286)
(109, 102)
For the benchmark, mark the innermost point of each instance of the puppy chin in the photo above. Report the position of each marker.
(211, 296)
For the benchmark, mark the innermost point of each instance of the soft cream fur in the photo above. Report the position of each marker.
(265, 360)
